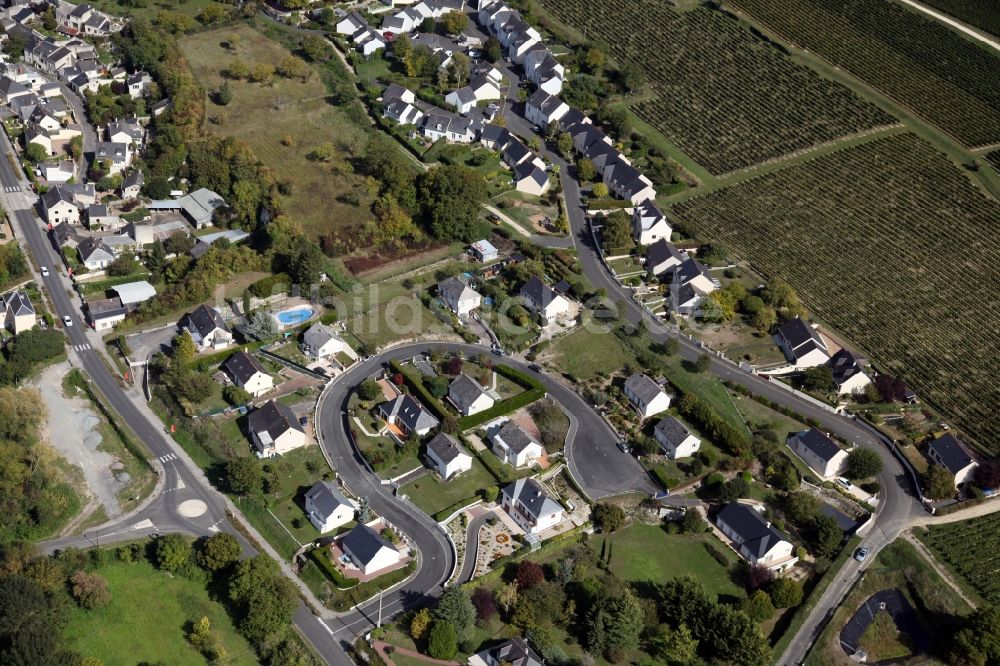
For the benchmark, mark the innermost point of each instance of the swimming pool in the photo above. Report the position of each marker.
(294, 316)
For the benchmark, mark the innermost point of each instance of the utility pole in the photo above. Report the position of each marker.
(379, 623)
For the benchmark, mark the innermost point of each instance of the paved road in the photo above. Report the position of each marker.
(472, 547)
(89, 135)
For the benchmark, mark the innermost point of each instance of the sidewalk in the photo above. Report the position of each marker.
(385, 650)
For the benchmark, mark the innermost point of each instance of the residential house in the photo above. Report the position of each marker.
(543, 108)
(675, 438)
(58, 172)
(819, 451)
(801, 344)
(468, 397)
(401, 110)
(462, 99)
(459, 297)
(100, 217)
(530, 506)
(105, 313)
(35, 134)
(626, 182)
(541, 298)
(19, 313)
(11, 89)
(693, 273)
(350, 24)
(645, 395)
(516, 152)
(321, 341)
(246, 372)
(495, 137)
(755, 538)
(116, 155)
(848, 374)
(447, 457)
(649, 224)
(513, 652)
(138, 84)
(449, 127)
(369, 550)
(408, 416)
(663, 256)
(368, 42)
(484, 251)
(207, 328)
(513, 445)
(132, 185)
(128, 132)
(95, 254)
(327, 508)
(531, 179)
(952, 453)
(274, 430)
(82, 194)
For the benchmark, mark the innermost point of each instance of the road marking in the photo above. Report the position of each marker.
(143, 524)
(180, 485)
(12, 188)
(83, 347)
(168, 458)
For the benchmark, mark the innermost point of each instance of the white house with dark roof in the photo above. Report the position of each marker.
(408, 415)
(514, 651)
(512, 444)
(247, 373)
(495, 137)
(531, 179)
(449, 127)
(327, 508)
(755, 538)
(848, 374)
(368, 550)
(132, 185)
(447, 457)
(541, 298)
(801, 344)
(818, 450)
(649, 224)
(530, 506)
(663, 256)
(951, 453)
(321, 341)
(543, 108)
(19, 313)
(207, 328)
(675, 438)
(58, 205)
(116, 155)
(484, 251)
(274, 430)
(468, 396)
(646, 396)
(350, 24)
(457, 296)
(95, 254)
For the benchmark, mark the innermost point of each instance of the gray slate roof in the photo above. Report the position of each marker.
(242, 366)
(318, 335)
(464, 390)
(952, 452)
(205, 320)
(445, 447)
(801, 337)
(531, 497)
(756, 533)
(844, 365)
(18, 303)
(365, 543)
(538, 292)
(274, 418)
(515, 652)
(642, 386)
(327, 498)
(672, 431)
(530, 171)
(515, 437)
(409, 412)
(818, 443)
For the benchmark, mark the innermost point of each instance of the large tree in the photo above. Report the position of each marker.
(455, 608)
(219, 551)
(862, 463)
(615, 624)
(617, 231)
(451, 197)
(939, 483)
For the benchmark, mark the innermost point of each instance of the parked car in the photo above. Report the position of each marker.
(67, 321)
(534, 367)
(45, 271)
(861, 554)
(844, 483)
(623, 446)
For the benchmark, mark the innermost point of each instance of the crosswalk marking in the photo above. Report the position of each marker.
(83, 347)
(168, 457)
(12, 188)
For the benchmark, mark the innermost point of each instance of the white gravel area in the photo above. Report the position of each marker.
(71, 429)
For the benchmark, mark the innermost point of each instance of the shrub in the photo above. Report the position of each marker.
(785, 592)
(529, 574)
(608, 517)
(442, 642)
(90, 589)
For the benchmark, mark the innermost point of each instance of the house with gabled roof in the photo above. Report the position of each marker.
(951, 453)
(19, 313)
(663, 256)
(646, 396)
(818, 450)
(368, 550)
(207, 328)
(408, 416)
(512, 444)
(447, 457)
(495, 137)
(755, 538)
(327, 508)
(458, 296)
(274, 430)
(117, 155)
(246, 372)
(543, 108)
(58, 205)
(649, 224)
(468, 396)
(531, 179)
(449, 127)
(132, 185)
(484, 251)
(695, 274)
(95, 254)
(321, 341)
(541, 298)
(848, 374)
(530, 506)
(514, 651)
(801, 344)
(402, 109)
(350, 24)
(675, 438)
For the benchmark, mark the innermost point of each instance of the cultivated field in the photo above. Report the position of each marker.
(264, 115)
(918, 61)
(972, 549)
(994, 159)
(892, 244)
(981, 14)
(726, 97)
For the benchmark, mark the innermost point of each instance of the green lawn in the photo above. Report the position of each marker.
(148, 618)
(149, 11)
(584, 353)
(647, 553)
(431, 495)
(706, 386)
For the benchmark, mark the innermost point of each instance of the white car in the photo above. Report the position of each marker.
(844, 482)
(67, 320)
(45, 271)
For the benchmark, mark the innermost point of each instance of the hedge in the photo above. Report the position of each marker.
(203, 362)
(447, 511)
(502, 472)
(420, 390)
(265, 287)
(499, 409)
(330, 571)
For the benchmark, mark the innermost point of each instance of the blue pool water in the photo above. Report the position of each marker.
(294, 316)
